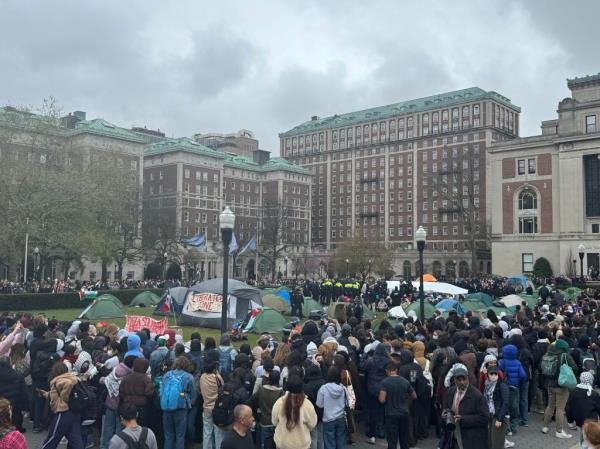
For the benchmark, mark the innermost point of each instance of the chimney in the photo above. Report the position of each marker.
(79, 115)
(314, 118)
(71, 120)
(260, 157)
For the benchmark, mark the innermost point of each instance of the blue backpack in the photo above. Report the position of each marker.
(172, 391)
(225, 362)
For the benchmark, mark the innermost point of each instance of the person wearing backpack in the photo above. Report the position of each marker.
(262, 401)
(227, 356)
(209, 385)
(65, 422)
(161, 358)
(177, 395)
(557, 354)
(133, 436)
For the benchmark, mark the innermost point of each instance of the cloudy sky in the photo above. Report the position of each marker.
(193, 66)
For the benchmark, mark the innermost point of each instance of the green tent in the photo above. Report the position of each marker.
(276, 302)
(571, 293)
(415, 306)
(145, 299)
(310, 305)
(268, 321)
(112, 298)
(102, 308)
(368, 314)
(267, 291)
(531, 300)
(479, 297)
(337, 310)
(496, 309)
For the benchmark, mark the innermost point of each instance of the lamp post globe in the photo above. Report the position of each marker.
(347, 268)
(421, 237)
(36, 262)
(581, 249)
(226, 223)
(165, 256)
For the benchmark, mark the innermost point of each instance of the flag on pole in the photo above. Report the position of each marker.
(233, 246)
(250, 246)
(196, 241)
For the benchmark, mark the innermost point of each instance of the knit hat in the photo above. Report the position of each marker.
(162, 340)
(561, 344)
(586, 382)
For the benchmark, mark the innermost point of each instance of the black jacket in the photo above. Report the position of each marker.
(475, 414)
(580, 406)
(501, 401)
(12, 387)
(313, 381)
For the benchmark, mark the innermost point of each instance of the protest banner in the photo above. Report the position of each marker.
(205, 302)
(134, 323)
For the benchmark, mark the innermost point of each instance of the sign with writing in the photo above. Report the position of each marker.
(134, 323)
(205, 302)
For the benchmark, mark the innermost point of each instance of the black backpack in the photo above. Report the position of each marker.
(222, 414)
(82, 401)
(165, 364)
(141, 443)
(42, 364)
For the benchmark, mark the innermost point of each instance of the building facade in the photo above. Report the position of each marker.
(382, 172)
(242, 143)
(547, 189)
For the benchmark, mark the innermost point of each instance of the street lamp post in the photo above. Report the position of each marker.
(285, 259)
(165, 255)
(347, 269)
(227, 222)
(581, 249)
(420, 236)
(36, 263)
(370, 263)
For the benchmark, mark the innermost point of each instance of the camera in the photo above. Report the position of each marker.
(450, 422)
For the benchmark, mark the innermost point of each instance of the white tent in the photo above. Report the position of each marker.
(397, 312)
(511, 300)
(441, 287)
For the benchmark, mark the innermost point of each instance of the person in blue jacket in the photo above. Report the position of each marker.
(515, 378)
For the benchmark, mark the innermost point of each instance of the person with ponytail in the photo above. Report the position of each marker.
(293, 416)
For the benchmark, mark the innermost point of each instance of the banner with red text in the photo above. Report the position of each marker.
(134, 323)
(205, 302)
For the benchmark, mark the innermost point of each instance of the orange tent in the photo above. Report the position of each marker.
(428, 278)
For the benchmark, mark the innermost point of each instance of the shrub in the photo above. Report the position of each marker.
(542, 268)
(173, 271)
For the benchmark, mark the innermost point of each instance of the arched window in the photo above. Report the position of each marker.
(528, 211)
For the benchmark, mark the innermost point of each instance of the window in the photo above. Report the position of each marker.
(527, 213)
(521, 166)
(590, 124)
(595, 228)
(526, 263)
(531, 166)
(186, 173)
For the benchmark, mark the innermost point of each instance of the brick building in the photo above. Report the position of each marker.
(548, 189)
(379, 173)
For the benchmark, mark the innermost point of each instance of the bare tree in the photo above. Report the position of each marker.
(273, 222)
(364, 257)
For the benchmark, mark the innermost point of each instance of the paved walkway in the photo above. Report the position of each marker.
(526, 438)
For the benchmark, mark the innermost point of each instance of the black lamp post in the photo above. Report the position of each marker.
(227, 222)
(285, 259)
(420, 237)
(347, 269)
(165, 255)
(370, 263)
(36, 263)
(581, 249)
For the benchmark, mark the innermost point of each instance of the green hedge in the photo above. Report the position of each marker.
(46, 301)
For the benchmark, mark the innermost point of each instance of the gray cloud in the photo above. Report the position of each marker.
(268, 66)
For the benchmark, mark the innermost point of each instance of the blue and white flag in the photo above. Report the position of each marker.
(250, 246)
(233, 246)
(196, 241)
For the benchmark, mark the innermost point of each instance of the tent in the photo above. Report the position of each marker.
(172, 306)
(480, 297)
(520, 279)
(267, 321)
(441, 287)
(368, 314)
(511, 300)
(267, 291)
(451, 304)
(276, 302)
(337, 310)
(427, 278)
(145, 299)
(415, 307)
(113, 298)
(102, 308)
(571, 293)
(285, 295)
(309, 305)
(396, 312)
(497, 310)
(202, 305)
(531, 300)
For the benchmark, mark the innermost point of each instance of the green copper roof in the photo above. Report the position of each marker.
(402, 108)
(182, 144)
(102, 127)
(574, 82)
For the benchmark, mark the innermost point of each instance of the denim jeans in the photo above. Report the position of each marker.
(513, 408)
(523, 402)
(266, 432)
(316, 437)
(335, 434)
(190, 432)
(208, 430)
(174, 427)
(396, 430)
(110, 426)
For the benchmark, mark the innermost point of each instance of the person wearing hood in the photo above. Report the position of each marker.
(332, 399)
(396, 393)
(133, 346)
(489, 361)
(515, 377)
(419, 408)
(557, 395)
(583, 402)
(263, 400)
(139, 390)
(110, 422)
(293, 417)
(538, 349)
(374, 369)
(313, 381)
(161, 354)
(496, 395)
(195, 355)
(526, 359)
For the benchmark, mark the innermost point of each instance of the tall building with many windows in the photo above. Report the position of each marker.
(546, 189)
(380, 173)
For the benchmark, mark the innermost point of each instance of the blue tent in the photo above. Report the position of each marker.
(285, 295)
(451, 304)
(518, 279)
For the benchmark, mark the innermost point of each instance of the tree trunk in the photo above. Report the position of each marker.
(104, 275)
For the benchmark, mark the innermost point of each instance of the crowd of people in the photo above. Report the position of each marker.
(470, 381)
